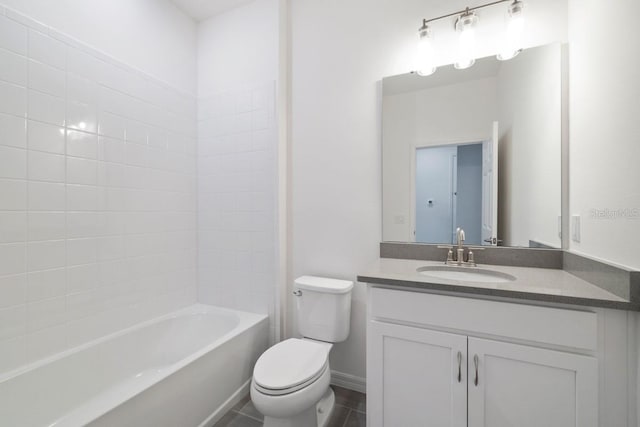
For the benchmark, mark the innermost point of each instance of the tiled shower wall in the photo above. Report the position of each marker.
(236, 199)
(97, 194)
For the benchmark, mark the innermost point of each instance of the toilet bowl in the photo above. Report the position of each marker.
(290, 384)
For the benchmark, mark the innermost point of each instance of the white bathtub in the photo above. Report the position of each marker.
(183, 369)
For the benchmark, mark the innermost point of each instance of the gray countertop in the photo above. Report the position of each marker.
(535, 284)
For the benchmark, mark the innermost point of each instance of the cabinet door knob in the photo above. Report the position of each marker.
(459, 366)
(475, 362)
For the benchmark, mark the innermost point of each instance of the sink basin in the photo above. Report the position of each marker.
(466, 274)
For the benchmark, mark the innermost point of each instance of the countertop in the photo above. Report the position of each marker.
(534, 284)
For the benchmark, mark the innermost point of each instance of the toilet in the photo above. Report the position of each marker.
(290, 384)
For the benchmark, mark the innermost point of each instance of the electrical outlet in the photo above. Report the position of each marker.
(575, 228)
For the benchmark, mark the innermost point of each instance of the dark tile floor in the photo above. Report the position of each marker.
(349, 411)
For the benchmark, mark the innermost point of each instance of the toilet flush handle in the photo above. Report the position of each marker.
(297, 292)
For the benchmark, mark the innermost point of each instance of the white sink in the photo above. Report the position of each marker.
(466, 274)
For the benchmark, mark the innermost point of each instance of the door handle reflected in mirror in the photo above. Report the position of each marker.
(459, 366)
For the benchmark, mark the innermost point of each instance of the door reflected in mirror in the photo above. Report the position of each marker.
(478, 149)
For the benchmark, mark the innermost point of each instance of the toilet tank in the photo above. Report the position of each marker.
(323, 308)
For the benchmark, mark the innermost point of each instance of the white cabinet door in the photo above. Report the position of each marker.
(416, 377)
(530, 387)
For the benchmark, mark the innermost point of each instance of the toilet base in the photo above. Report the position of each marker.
(324, 408)
(316, 416)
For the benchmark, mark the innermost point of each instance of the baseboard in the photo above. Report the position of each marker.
(227, 405)
(349, 381)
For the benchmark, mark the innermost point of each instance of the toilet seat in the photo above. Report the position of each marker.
(289, 366)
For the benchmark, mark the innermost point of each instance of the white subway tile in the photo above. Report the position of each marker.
(82, 116)
(46, 284)
(45, 196)
(46, 226)
(110, 248)
(13, 227)
(82, 198)
(25, 20)
(111, 175)
(81, 171)
(48, 79)
(46, 49)
(13, 162)
(82, 90)
(45, 313)
(13, 35)
(111, 125)
(46, 137)
(13, 68)
(46, 342)
(83, 64)
(157, 138)
(136, 132)
(82, 278)
(12, 353)
(46, 108)
(45, 255)
(84, 224)
(14, 132)
(13, 322)
(12, 258)
(13, 99)
(13, 290)
(82, 251)
(111, 150)
(46, 167)
(135, 154)
(13, 194)
(82, 144)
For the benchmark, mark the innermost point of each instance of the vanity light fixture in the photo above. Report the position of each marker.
(465, 24)
(512, 44)
(426, 54)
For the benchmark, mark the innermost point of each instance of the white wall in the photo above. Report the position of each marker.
(151, 35)
(237, 143)
(97, 195)
(529, 103)
(238, 48)
(604, 59)
(340, 52)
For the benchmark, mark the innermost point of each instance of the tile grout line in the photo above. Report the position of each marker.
(248, 416)
(344, 424)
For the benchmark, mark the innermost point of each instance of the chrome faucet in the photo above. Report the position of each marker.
(458, 259)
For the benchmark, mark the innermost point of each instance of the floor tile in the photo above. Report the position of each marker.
(350, 399)
(234, 419)
(356, 419)
(349, 411)
(339, 416)
(249, 410)
(241, 403)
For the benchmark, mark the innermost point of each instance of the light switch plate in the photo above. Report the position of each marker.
(575, 228)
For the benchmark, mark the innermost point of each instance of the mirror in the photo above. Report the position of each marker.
(479, 149)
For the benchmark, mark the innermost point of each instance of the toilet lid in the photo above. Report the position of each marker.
(289, 364)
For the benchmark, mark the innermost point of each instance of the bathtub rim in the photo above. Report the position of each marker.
(95, 408)
(246, 318)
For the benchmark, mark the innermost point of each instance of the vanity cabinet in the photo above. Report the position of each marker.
(431, 364)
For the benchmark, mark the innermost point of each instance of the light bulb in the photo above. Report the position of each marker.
(512, 44)
(466, 41)
(425, 61)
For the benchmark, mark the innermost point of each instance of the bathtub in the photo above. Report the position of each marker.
(183, 369)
